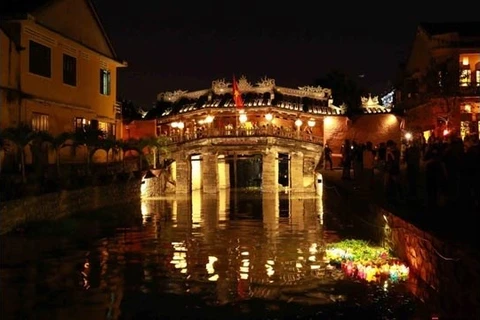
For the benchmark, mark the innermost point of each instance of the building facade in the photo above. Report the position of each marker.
(58, 67)
(275, 140)
(440, 87)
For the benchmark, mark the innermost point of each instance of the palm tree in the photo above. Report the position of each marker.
(91, 138)
(108, 144)
(56, 143)
(21, 136)
(156, 146)
(125, 146)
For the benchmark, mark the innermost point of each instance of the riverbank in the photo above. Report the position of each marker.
(56, 205)
(444, 259)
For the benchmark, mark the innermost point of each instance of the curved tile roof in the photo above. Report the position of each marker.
(313, 100)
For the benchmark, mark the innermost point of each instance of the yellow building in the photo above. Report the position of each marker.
(441, 83)
(58, 69)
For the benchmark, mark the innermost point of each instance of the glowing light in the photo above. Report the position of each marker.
(179, 125)
(210, 265)
(269, 117)
(144, 210)
(298, 122)
(179, 259)
(244, 268)
(209, 119)
(465, 61)
(269, 269)
(446, 132)
(408, 136)
(311, 123)
(243, 118)
(327, 120)
(213, 278)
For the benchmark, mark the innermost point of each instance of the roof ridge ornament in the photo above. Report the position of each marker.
(243, 84)
(220, 86)
(370, 102)
(266, 82)
(172, 96)
(316, 91)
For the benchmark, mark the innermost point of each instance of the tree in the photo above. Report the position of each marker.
(56, 143)
(345, 90)
(90, 137)
(21, 136)
(130, 112)
(442, 80)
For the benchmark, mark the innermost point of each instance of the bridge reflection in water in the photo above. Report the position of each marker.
(234, 254)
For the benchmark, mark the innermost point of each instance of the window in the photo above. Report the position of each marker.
(107, 128)
(79, 123)
(39, 122)
(104, 82)
(465, 77)
(69, 70)
(39, 59)
(477, 78)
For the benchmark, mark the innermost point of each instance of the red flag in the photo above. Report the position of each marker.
(237, 95)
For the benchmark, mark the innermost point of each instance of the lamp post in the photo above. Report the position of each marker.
(298, 124)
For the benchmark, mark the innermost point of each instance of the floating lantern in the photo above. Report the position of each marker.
(359, 260)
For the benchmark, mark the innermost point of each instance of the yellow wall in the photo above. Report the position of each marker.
(61, 102)
(9, 64)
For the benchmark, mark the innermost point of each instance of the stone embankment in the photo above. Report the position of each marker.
(56, 205)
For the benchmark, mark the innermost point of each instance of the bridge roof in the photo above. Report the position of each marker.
(307, 99)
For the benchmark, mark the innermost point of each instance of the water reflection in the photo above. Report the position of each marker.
(219, 249)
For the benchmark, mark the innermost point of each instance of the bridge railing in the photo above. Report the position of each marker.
(246, 133)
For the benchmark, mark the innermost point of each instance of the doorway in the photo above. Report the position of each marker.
(245, 170)
(284, 169)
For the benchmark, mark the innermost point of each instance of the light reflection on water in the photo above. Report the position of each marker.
(192, 253)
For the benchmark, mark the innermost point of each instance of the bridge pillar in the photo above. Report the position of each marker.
(270, 171)
(223, 173)
(296, 172)
(182, 174)
(209, 173)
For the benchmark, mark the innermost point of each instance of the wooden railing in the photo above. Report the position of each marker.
(246, 133)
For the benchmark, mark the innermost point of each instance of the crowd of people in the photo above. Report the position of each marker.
(438, 172)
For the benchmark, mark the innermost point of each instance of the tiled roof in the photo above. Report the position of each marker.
(251, 100)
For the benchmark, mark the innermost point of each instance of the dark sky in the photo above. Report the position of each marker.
(185, 45)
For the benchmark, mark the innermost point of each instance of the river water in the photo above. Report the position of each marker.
(240, 255)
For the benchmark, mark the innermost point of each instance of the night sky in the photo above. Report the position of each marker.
(185, 45)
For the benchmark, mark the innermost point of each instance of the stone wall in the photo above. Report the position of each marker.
(451, 270)
(156, 187)
(56, 205)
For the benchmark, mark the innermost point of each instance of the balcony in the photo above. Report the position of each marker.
(300, 136)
